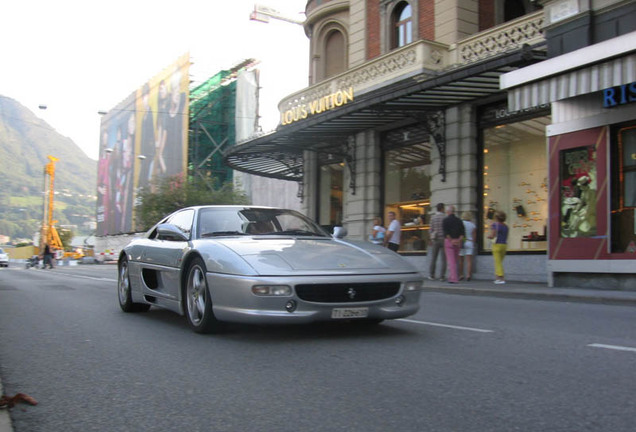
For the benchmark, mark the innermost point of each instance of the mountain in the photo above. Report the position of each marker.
(25, 143)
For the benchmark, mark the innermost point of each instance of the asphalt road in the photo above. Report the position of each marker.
(463, 363)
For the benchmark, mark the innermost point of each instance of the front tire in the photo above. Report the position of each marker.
(123, 290)
(198, 304)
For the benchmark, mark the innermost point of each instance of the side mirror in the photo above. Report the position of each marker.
(171, 232)
(339, 232)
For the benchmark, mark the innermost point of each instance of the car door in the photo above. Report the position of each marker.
(162, 256)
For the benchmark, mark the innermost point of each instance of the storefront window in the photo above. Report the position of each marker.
(330, 195)
(515, 180)
(627, 145)
(407, 192)
(624, 188)
(577, 176)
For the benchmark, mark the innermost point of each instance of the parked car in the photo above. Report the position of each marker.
(106, 256)
(260, 265)
(4, 258)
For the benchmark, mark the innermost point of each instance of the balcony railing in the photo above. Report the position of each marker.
(401, 63)
(423, 56)
(506, 37)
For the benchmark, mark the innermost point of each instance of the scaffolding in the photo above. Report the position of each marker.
(212, 125)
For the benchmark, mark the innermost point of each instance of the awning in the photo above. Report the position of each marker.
(576, 83)
(280, 154)
(587, 70)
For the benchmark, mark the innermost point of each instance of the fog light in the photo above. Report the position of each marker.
(290, 306)
(413, 286)
(400, 300)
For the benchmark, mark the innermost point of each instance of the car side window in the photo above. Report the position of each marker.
(183, 220)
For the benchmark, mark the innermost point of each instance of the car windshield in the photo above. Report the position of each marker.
(215, 222)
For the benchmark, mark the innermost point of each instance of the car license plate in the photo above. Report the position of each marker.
(346, 313)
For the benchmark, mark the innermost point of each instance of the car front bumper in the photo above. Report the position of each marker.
(233, 300)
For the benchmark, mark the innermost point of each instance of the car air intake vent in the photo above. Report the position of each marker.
(347, 292)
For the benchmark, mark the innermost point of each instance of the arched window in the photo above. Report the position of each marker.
(334, 53)
(402, 25)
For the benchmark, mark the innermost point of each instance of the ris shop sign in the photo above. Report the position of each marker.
(317, 106)
(619, 95)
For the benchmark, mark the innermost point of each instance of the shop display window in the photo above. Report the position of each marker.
(515, 180)
(623, 149)
(407, 193)
(578, 187)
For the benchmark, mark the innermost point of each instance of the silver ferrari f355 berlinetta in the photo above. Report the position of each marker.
(261, 265)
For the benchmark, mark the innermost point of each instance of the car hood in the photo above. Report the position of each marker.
(277, 256)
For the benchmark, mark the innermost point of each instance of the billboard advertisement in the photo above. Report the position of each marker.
(142, 140)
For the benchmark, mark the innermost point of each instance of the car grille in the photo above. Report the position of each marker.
(347, 292)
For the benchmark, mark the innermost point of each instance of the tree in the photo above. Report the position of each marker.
(173, 193)
(8, 228)
(66, 235)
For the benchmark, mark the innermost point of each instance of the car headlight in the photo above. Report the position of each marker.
(272, 290)
(413, 286)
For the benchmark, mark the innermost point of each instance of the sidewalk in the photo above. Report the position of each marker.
(532, 290)
(5, 420)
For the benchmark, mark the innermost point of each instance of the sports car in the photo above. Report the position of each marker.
(246, 264)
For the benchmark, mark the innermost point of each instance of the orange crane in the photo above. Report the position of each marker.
(49, 234)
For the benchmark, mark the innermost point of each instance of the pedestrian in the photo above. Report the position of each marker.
(499, 233)
(392, 236)
(436, 239)
(468, 247)
(453, 237)
(48, 257)
(377, 232)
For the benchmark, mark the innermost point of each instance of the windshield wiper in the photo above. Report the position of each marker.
(221, 233)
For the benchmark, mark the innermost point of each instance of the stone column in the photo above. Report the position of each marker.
(460, 187)
(360, 208)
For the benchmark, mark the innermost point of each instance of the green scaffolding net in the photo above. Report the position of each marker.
(212, 127)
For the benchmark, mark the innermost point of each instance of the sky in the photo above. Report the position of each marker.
(78, 58)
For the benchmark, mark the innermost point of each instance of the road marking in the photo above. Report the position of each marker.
(75, 275)
(447, 326)
(613, 347)
(87, 277)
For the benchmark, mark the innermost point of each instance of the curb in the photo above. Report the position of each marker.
(5, 418)
(535, 291)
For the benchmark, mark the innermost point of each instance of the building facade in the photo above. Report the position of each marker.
(589, 80)
(404, 110)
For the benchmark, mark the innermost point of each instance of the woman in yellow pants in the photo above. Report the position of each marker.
(499, 233)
